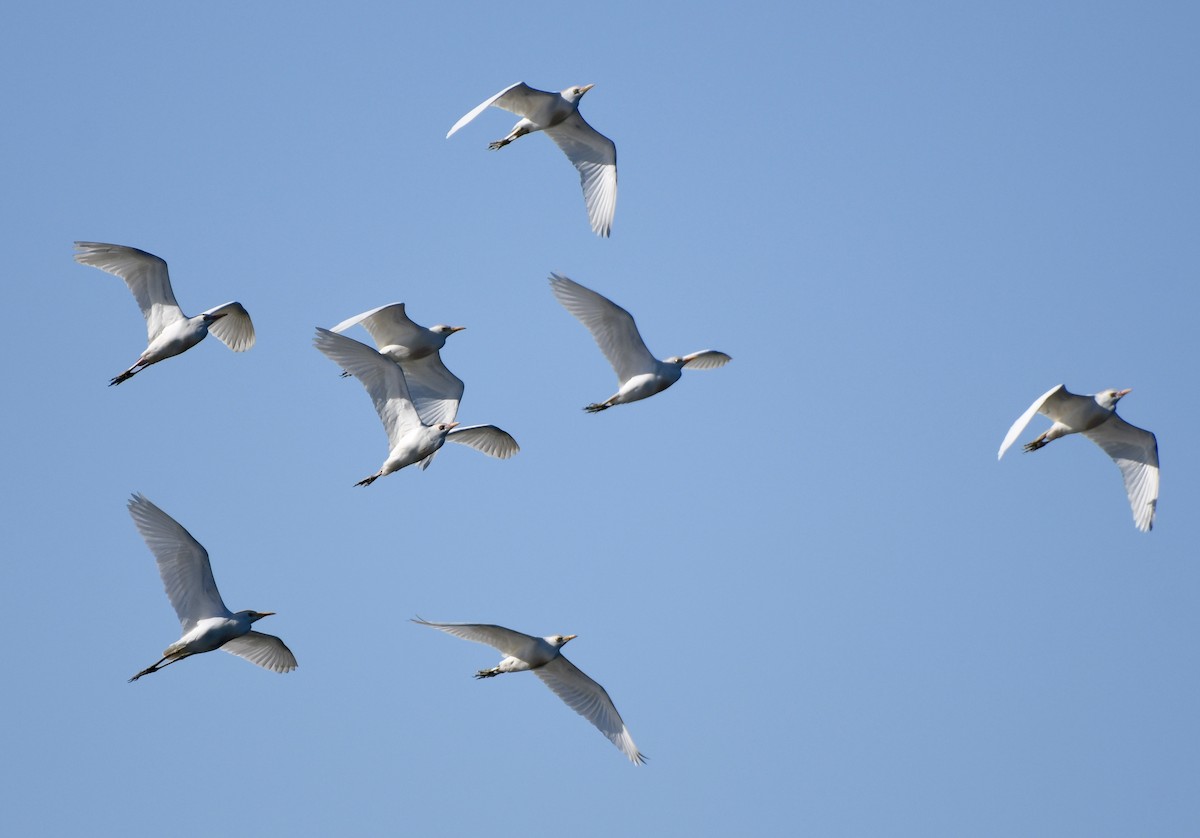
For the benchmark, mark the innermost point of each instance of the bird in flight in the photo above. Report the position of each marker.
(543, 655)
(639, 373)
(557, 114)
(170, 331)
(436, 392)
(409, 439)
(207, 624)
(1134, 450)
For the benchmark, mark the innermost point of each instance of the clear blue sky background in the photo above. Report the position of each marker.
(819, 602)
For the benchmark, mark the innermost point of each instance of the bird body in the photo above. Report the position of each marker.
(1135, 451)
(187, 577)
(409, 439)
(543, 656)
(639, 373)
(557, 114)
(169, 331)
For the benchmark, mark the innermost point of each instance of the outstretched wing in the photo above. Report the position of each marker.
(387, 325)
(612, 327)
(1135, 452)
(265, 650)
(235, 329)
(486, 438)
(517, 98)
(144, 273)
(380, 376)
(435, 390)
(505, 640)
(588, 699)
(182, 564)
(1049, 396)
(595, 156)
(705, 359)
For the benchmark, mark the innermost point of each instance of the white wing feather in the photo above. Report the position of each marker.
(435, 390)
(381, 377)
(513, 102)
(1135, 451)
(182, 563)
(486, 438)
(706, 359)
(504, 640)
(611, 326)
(595, 156)
(235, 329)
(144, 273)
(1019, 425)
(386, 324)
(265, 650)
(589, 699)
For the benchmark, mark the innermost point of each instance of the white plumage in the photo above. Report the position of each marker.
(557, 114)
(543, 655)
(1135, 451)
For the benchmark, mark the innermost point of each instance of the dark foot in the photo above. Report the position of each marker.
(1035, 445)
(499, 144)
(596, 408)
(488, 673)
(367, 481)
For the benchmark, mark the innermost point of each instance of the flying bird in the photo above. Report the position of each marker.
(170, 331)
(207, 623)
(557, 114)
(544, 656)
(1134, 450)
(409, 439)
(640, 374)
(436, 392)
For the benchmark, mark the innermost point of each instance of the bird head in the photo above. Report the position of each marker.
(559, 640)
(443, 329)
(213, 318)
(676, 361)
(255, 616)
(446, 427)
(574, 94)
(1109, 398)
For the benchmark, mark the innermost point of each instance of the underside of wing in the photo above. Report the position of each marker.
(511, 98)
(1135, 451)
(611, 326)
(265, 650)
(706, 359)
(1019, 425)
(486, 438)
(382, 378)
(505, 640)
(387, 325)
(595, 156)
(435, 391)
(235, 329)
(182, 563)
(145, 275)
(589, 699)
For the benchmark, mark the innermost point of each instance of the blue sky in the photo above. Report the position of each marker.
(820, 604)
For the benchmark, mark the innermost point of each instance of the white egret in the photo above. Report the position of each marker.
(207, 624)
(543, 655)
(557, 114)
(436, 392)
(640, 374)
(1134, 450)
(170, 330)
(410, 440)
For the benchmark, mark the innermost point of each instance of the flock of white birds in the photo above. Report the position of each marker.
(417, 400)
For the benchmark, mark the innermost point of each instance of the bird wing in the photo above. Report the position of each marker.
(505, 640)
(516, 98)
(379, 375)
(265, 650)
(612, 327)
(235, 329)
(387, 325)
(595, 156)
(706, 359)
(588, 699)
(144, 273)
(486, 438)
(1135, 452)
(435, 391)
(1050, 396)
(182, 564)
